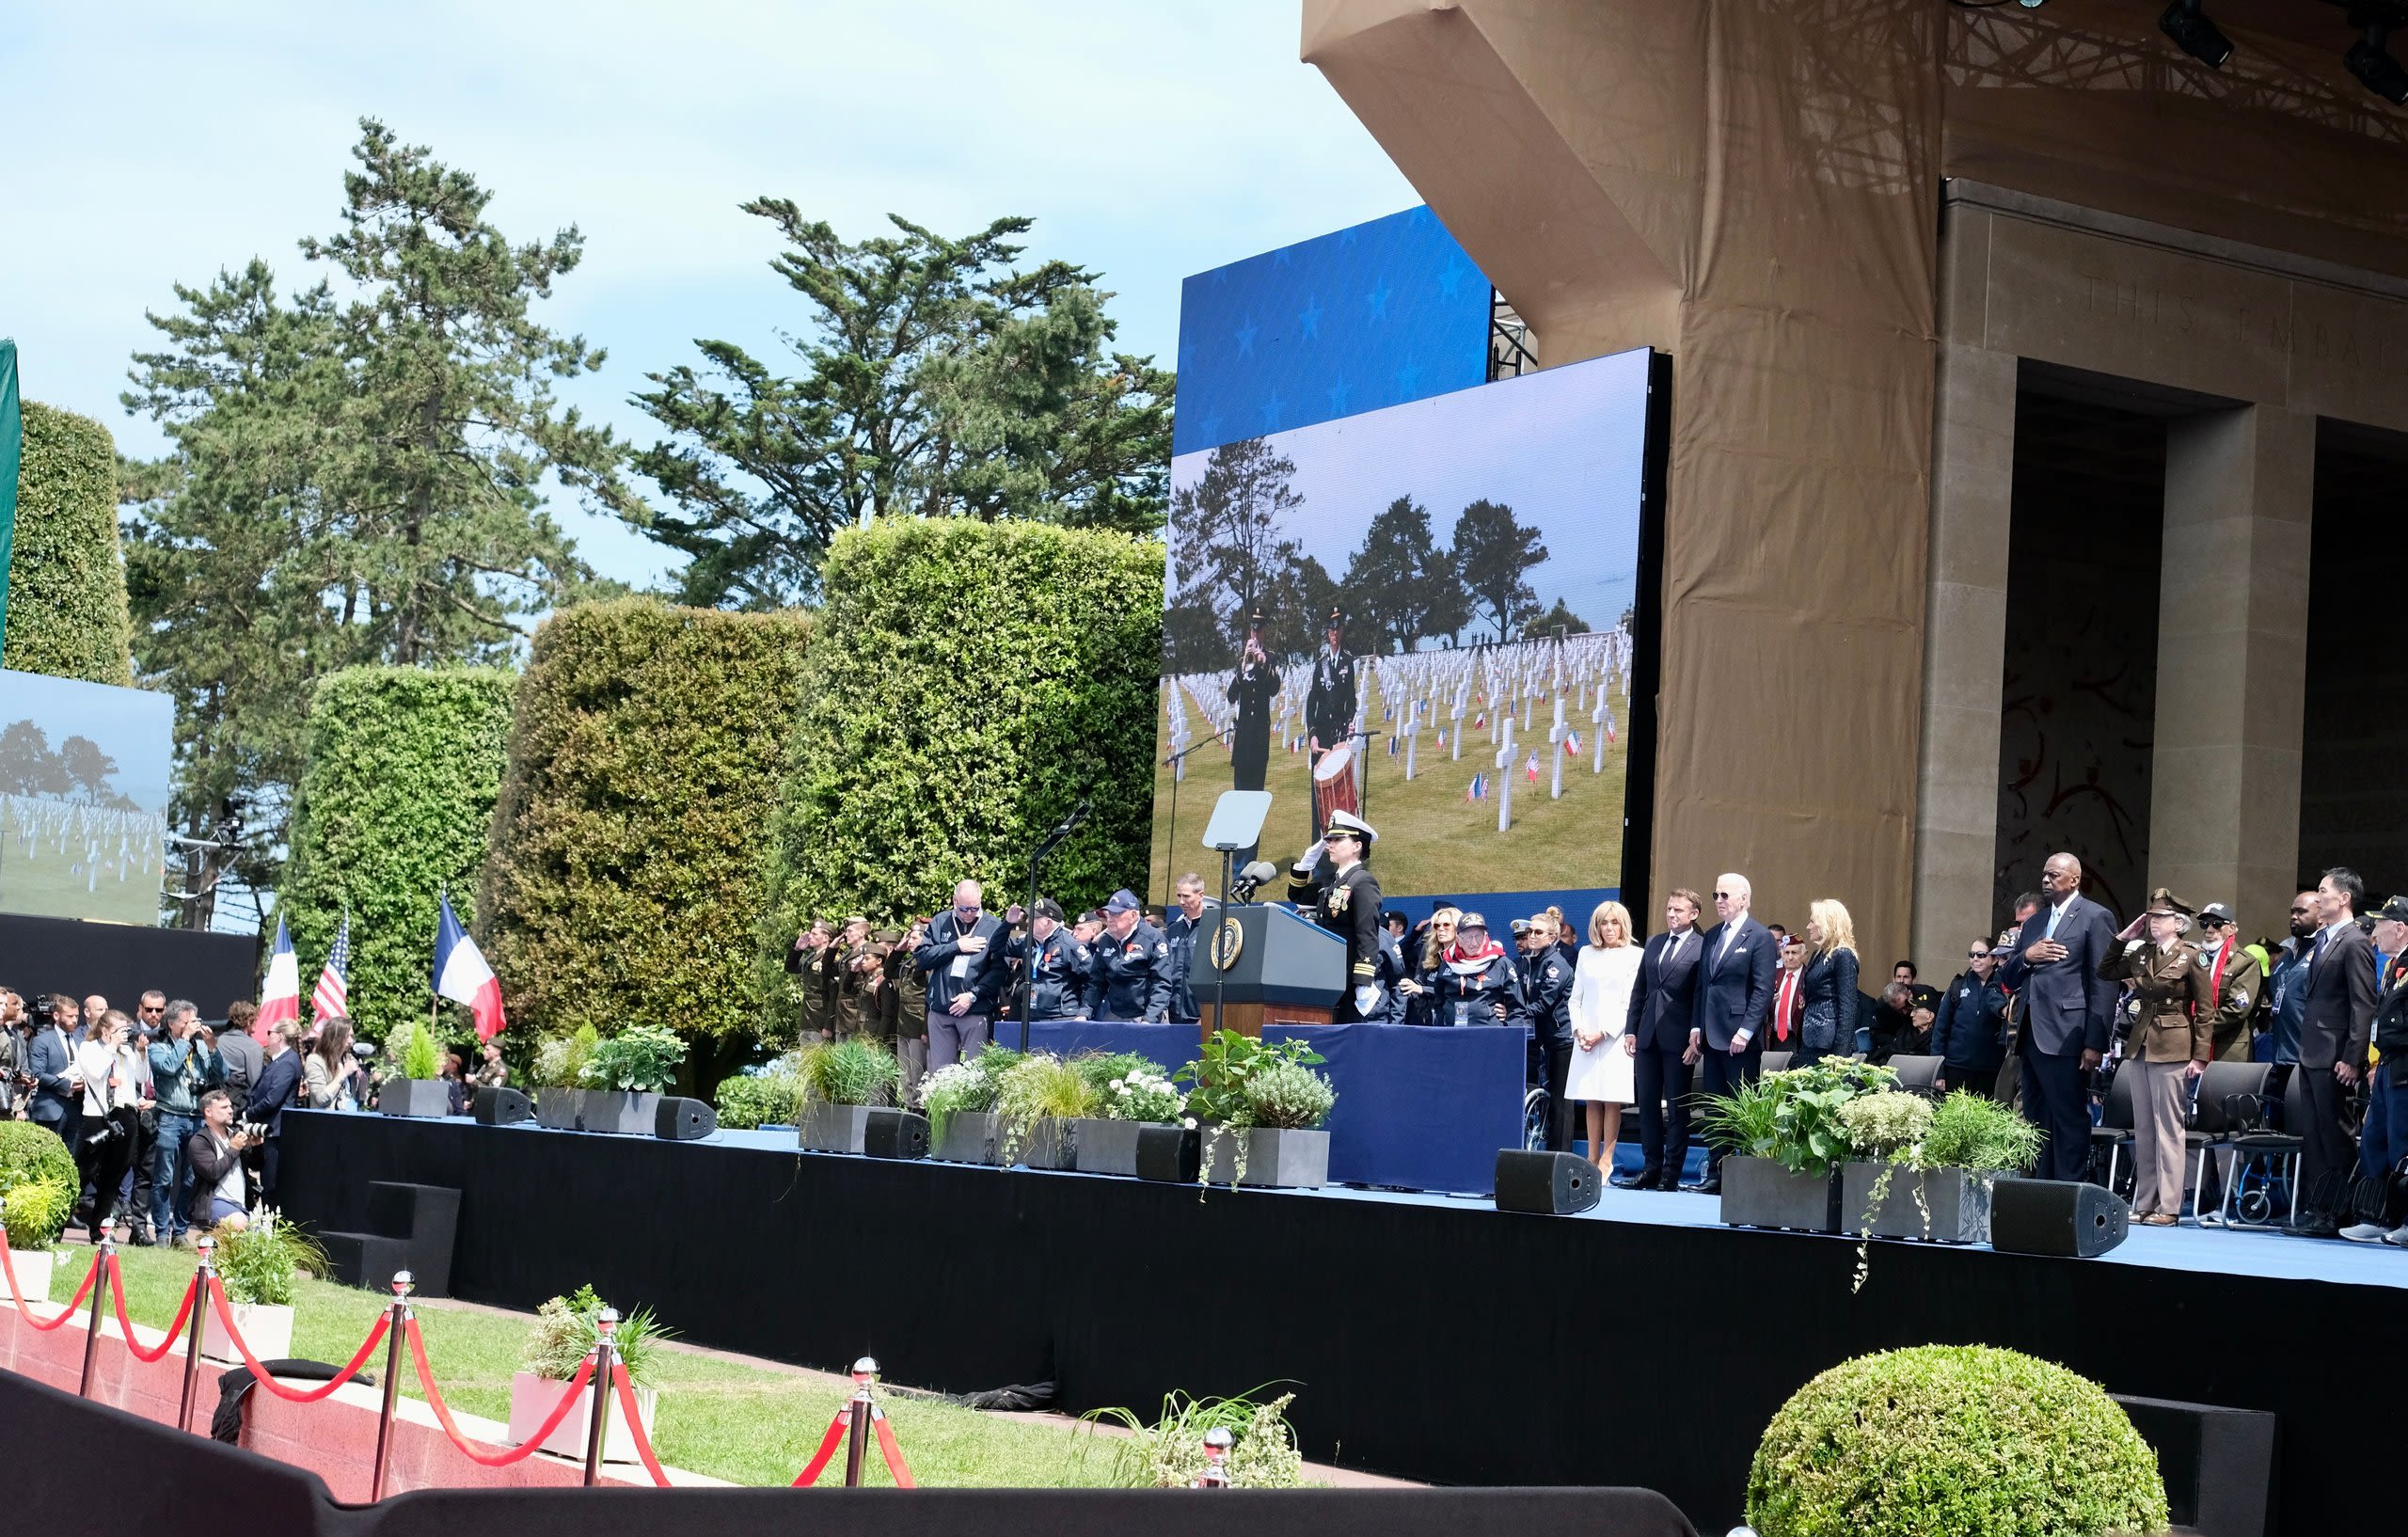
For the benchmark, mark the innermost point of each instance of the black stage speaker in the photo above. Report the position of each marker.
(1171, 1154)
(2071, 1218)
(684, 1120)
(1547, 1183)
(895, 1134)
(504, 1107)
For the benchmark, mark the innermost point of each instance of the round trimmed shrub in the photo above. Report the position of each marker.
(1960, 1440)
(29, 1153)
(67, 602)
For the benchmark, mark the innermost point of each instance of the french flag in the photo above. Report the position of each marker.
(461, 975)
(280, 996)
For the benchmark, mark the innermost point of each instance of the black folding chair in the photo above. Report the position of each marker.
(2254, 1136)
(2115, 1129)
(2223, 1086)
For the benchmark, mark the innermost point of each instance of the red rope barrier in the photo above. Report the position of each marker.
(74, 1302)
(468, 1449)
(261, 1375)
(828, 1445)
(895, 1463)
(117, 1294)
(628, 1407)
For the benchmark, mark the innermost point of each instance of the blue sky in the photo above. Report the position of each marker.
(157, 144)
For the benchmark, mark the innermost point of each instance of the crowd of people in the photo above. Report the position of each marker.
(175, 1122)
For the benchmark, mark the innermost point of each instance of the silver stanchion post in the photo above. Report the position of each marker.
(104, 1251)
(1217, 1442)
(605, 1328)
(864, 1373)
(396, 1325)
(208, 1247)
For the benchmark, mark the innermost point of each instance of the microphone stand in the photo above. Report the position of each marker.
(1170, 839)
(1028, 963)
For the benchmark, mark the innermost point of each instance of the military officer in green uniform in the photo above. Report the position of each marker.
(2173, 1015)
(1344, 896)
(905, 1004)
(854, 983)
(807, 962)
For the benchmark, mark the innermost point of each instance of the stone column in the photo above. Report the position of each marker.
(1972, 484)
(2231, 660)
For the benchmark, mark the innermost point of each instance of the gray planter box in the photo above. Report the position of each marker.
(1274, 1160)
(1759, 1193)
(1958, 1199)
(1049, 1145)
(1105, 1146)
(833, 1128)
(424, 1096)
(623, 1111)
(969, 1138)
(561, 1109)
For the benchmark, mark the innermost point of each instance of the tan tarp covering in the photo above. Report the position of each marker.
(1752, 185)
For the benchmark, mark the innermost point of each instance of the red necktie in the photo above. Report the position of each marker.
(1788, 998)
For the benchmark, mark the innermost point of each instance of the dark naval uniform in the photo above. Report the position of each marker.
(1347, 904)
(1546, 1009)
(1129, 979)
(1058, 965)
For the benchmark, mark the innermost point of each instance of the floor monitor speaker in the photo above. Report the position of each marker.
(1547, 1183)
(684, 1120)
(895, 1134)
(1171, 1154)
(498, 1106)
(2072, 1218)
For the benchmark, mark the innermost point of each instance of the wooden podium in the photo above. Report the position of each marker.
(1268, 966)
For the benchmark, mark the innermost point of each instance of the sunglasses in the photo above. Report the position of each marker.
(1722, 896)
(1977, 955)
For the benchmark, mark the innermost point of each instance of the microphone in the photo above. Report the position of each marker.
(1252, 877)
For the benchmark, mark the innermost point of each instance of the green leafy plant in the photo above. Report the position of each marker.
(421, 1057)
(31, 1154)
(1793, 1116)
(35, 1212)
(1101, 1067)
(1039, 1087)
(1168, 1451)
(769, 1097)
(1888, 1126)
(855, 1070)
(566, 1328)
(958, 1088)
(260, 1263)
(1961, 1439)
(1288, 1095)
(560, 1061)
(1975, 1132)
(646, 747)
(1218, 1076)
(67, 599)
(393, 808)
(640, 1059)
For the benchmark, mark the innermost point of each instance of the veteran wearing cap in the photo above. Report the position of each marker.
(2171, 1040)
(1056, 964)
(1129, 966)
(2385, 1141)
(2233, 980)
(1331, 882)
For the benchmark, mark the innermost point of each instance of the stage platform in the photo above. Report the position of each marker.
(1428, 1337)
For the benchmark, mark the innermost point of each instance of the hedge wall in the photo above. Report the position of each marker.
(968, 682)
(627, 873)
(67, 609)
(394, 806)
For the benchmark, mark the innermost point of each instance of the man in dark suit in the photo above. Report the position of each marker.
(1662, 1007)
(57, 1100)
(2066, 1010)
(2332, 1035)
(1736, 969)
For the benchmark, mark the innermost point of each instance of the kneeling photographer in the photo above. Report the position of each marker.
(220, 1189)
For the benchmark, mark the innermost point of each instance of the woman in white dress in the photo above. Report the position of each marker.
(1601, 1069)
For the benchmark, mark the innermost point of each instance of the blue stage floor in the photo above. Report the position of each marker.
(2206, 1251)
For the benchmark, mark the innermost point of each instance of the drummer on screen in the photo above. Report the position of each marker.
(1330, 719)
(1331, 881)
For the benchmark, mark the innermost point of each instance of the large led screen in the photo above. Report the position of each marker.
(83, 797)
(1423, 614)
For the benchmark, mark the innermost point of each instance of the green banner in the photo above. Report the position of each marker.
(12, 447)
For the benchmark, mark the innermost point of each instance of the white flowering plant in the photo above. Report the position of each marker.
(1143, 1094)
(958, 1088)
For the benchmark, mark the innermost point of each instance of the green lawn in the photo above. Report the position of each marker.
(728, 1421)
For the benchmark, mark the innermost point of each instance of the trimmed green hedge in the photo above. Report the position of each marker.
(67, 609)
(968, 682)
(394, 806)
(626, 871)
(1962, 1439)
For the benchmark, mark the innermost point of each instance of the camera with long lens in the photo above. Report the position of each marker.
(45, 1012)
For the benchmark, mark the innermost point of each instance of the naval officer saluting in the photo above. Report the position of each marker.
(1344, 899)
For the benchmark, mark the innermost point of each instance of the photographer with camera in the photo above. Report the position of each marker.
(14, 1081)
(116, 1082)
(220, 1195)
(185, 1065)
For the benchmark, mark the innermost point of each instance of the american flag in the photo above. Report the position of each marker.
(332, 1000)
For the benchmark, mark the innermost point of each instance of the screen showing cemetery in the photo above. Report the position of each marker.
(83, 797)
(1422, 614)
